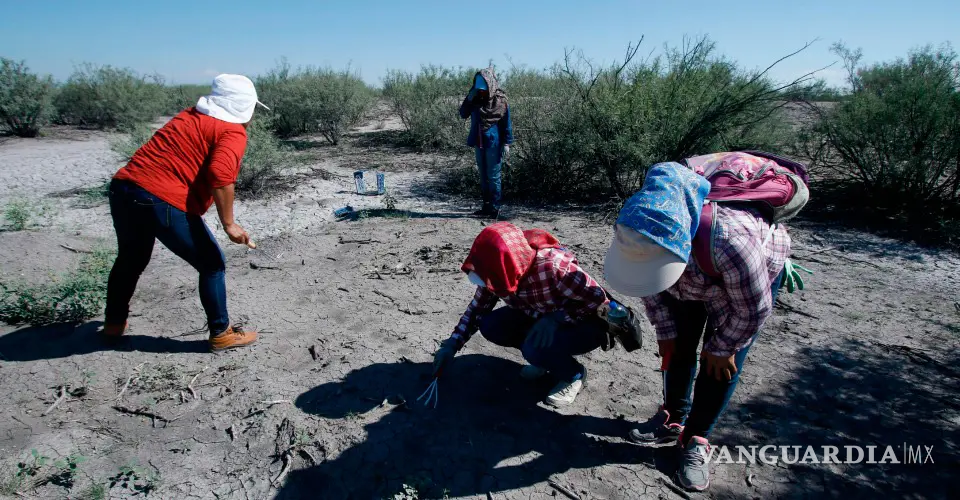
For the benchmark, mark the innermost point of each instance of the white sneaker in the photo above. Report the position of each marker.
(530, 372)
(564, 393)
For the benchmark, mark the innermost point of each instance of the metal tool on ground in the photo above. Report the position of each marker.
(431, 393)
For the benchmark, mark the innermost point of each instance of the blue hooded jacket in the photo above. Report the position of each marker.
(492, 137)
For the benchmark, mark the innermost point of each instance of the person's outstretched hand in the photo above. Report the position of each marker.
(237, 234)
(444, 356)
(722, 368)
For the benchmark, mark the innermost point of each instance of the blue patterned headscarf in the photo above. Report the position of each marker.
(667, 208)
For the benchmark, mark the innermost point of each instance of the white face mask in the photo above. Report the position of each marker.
(476, 279)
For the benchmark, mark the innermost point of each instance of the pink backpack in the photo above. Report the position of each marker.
(777, 186)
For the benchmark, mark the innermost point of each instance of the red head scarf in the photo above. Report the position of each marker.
(502, 254)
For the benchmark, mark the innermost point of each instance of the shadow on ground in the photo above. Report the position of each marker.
(856, 394)
(65, 340)
(488, 434)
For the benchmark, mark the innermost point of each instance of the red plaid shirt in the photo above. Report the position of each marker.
(740, 301)
(555, 282)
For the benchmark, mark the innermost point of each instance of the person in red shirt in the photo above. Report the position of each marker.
(554, 309)
(162, 193)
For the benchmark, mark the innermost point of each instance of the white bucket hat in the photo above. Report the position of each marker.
(637, 267)
(232, 99)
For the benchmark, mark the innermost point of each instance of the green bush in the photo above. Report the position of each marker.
(108, 97)
(264, 162)
(428, 103)
(77, 296)
(128, 144)
(18, 214)
(588, 133)
(896, 134)
(26, 100)
(181, 97)
(314, 100)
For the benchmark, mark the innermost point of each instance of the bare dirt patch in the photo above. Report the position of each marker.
(323, 406)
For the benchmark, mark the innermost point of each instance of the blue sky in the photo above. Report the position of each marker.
(191, 41)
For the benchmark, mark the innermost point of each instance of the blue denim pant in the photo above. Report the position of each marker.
(489, 162)
(141, 218)
(510, 327)
(710, 395)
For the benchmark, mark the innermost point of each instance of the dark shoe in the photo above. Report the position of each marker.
(114, 330)
(232, 338)
(661, 431)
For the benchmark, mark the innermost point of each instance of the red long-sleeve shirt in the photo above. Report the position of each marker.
(187, 159)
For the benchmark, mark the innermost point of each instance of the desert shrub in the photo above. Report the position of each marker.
(21, 213)
(26, 99)
(74, 297)
(108, 97)
(588, 133)
(314, 100)
(895, 135)
(817, 91)
(181, 97)
(428, 103)
(264, 162)
(18, 214)
(128, 143)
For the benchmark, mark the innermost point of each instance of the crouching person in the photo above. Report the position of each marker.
(553, 307)
(650, 257)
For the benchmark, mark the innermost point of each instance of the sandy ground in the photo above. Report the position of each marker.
(867, 355)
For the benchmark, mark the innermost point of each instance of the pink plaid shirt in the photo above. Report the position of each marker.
(555, 282)
(740, 301)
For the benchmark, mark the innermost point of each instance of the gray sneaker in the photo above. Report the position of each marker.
(564, 393)
(694, 473)
(662, 434)
(658, 431)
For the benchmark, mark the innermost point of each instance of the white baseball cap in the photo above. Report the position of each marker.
(232, 99)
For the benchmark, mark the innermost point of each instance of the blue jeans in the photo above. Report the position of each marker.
(489, 162)
(139, 219)
(711, 395)
(508, 327)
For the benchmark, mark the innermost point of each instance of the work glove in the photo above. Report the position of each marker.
(443, 357)
(542, 333)
(792, 276)
(506, 152)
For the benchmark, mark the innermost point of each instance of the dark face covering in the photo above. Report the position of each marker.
(494, 106)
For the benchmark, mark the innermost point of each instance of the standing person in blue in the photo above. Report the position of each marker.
(491, 134)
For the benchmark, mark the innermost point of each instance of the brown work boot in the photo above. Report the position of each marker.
(114, 330)
(232, 337)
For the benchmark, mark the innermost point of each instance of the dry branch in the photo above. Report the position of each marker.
(674, 488)
(74, 250)
(190, 385)
(63, 395)
(563, 489)
(136, 373)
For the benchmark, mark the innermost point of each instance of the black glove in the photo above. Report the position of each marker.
(443, 357)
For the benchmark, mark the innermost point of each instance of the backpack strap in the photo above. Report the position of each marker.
(797, 167)
(703, 241)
